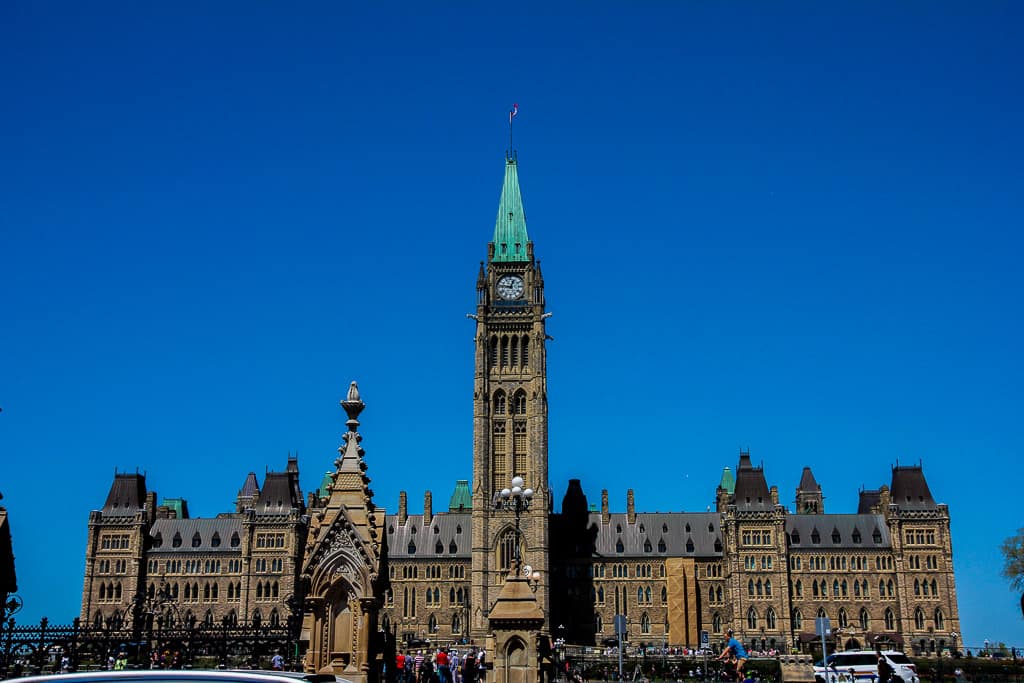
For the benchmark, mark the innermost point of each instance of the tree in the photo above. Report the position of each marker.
(1013, 567)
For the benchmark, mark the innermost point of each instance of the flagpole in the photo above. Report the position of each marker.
(510, 115)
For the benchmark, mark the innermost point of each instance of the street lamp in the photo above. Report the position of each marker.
(517, 499)
(954, 635)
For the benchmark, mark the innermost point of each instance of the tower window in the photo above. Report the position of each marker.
(519, 446)
(519, 403)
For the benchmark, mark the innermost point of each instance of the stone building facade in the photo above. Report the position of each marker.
(881, 574)
(238, 567)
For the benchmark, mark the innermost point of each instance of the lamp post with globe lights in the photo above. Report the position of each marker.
(516, 499)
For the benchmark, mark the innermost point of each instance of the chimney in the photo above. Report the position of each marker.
(630, 508)
(428, 508)
(151, 506)
(605, 515)
(775, 495)
(403, 508)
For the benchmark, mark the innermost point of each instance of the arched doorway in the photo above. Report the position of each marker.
(340, 642)
(517, 664)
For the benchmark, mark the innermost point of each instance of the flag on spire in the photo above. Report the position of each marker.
(512, 112)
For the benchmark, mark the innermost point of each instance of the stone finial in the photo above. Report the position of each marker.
(403, 507)
(428, 508)
(353, 405)
(605, 514)
(630, 507)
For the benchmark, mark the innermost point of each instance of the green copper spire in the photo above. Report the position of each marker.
(728, 481)
(510, 227)
(462, 499)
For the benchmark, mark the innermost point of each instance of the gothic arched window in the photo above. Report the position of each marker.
(519, 403)
(890, 620)
(507, 549)
(864, 619)
(769, 619)
(752, 618)
(499, 402)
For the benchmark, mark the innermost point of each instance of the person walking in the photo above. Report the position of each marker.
(735, 651)
(884, 669)
(444, 674)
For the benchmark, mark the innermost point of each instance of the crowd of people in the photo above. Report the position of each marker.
(443, 665)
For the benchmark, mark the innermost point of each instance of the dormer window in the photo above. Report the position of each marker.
(215, 540)
(196, 540)
(176, 541)
(412, 548)
(689, 545)
(452, 548)
(687, 527)
(836, 538)
(815, 536)
(235, 540)
(795, 537)
(877, 537)
(619, 547)
(664, 528)
(661, 546)
(856, 536)
(158, 540)
(439, 548)
(618, 528)
(437, 530)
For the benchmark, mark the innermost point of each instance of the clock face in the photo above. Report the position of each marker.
(510, 287)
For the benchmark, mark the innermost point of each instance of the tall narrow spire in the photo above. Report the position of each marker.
(510, 237)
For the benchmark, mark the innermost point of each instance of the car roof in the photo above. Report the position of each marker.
(184, 676)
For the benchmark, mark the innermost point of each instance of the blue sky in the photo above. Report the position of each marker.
(792, 228)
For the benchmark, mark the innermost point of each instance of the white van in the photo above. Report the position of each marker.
(861, 666)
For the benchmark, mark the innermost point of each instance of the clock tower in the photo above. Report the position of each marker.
(510, 409)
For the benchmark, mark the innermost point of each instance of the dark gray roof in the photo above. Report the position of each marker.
(868, 499)
(279, 495)
(678, 530)
(127, 495)
(910, 490)
(452, 530)
(845, 525)
(751, 491)
(207, 528)
(251, 487)
(808, 482)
